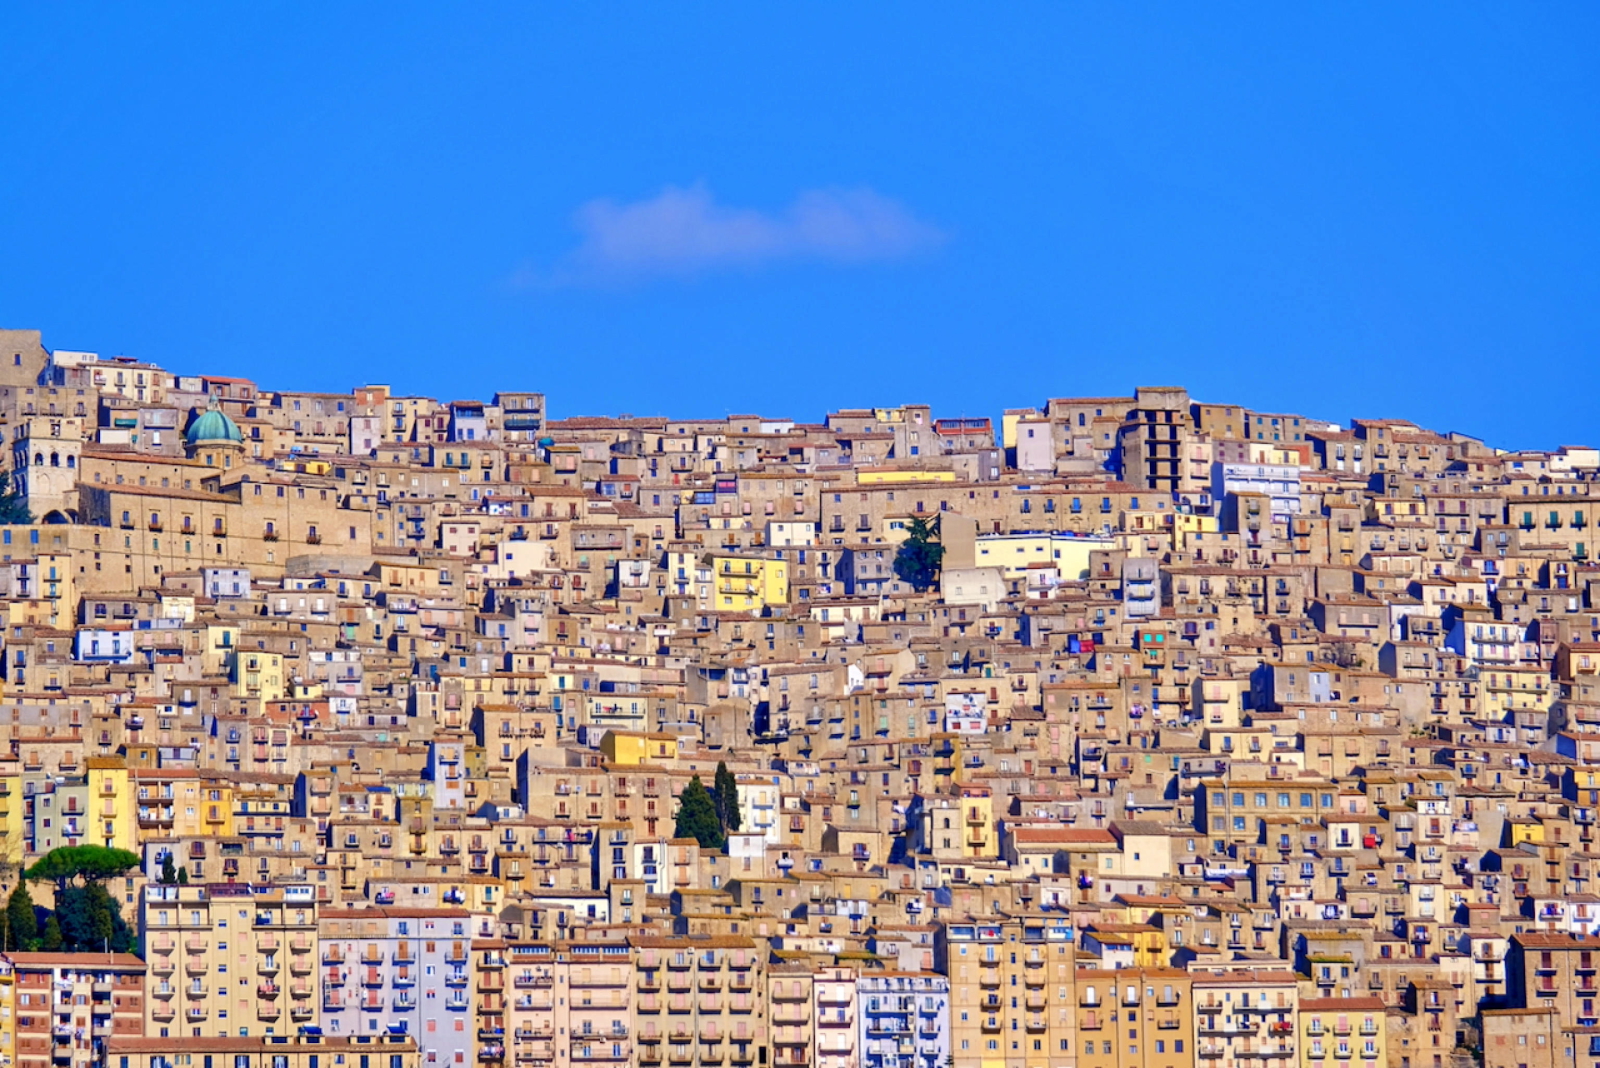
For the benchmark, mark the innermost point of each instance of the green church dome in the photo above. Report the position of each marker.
(212, 425)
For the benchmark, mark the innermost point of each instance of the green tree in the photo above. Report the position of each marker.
(22, 921)
(13, 505)
(52, 940)
(697, 817)
(112, 929)
(90, 920)
(169, 870)
(183, 876)
(725, 791)
(75, 915)
(86, 917)
(91, 864)
(918, 559)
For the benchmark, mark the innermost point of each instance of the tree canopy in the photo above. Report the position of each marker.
(918, 559)
(697, 817)
(90, 920)
(90, 863)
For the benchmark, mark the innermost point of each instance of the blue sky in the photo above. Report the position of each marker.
(1336, 210)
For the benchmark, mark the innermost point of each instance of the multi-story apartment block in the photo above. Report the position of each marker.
(401, 971)
(1350, 1030)
(699, 1000)
(1246, 1014)
(70, 1006)
(1136, 1016)
(904, 1019)
(1012, 983)
(229, 959)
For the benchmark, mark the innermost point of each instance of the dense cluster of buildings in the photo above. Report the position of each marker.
(1225, 738)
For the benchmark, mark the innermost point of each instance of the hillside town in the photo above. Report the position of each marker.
(1129, 732)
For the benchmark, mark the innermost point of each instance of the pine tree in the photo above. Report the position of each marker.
(726, 789)
(697, 817)
(22, 922)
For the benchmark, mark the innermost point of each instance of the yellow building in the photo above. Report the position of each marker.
(11, 832)
(1524, 829)
(631, 748)
(1188, 528)
(116, 812)
(1015, 553)
(978, 838)
(57, 588)
(746, 583)
(258, 674)
(222, 641)
(882, 476)
(1350, 1030)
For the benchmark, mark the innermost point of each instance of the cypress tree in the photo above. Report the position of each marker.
(52, 941)
(22, 922)
(727, 798)
(916, 562)
(697, 816)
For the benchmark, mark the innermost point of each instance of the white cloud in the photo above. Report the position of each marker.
(685, 231)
